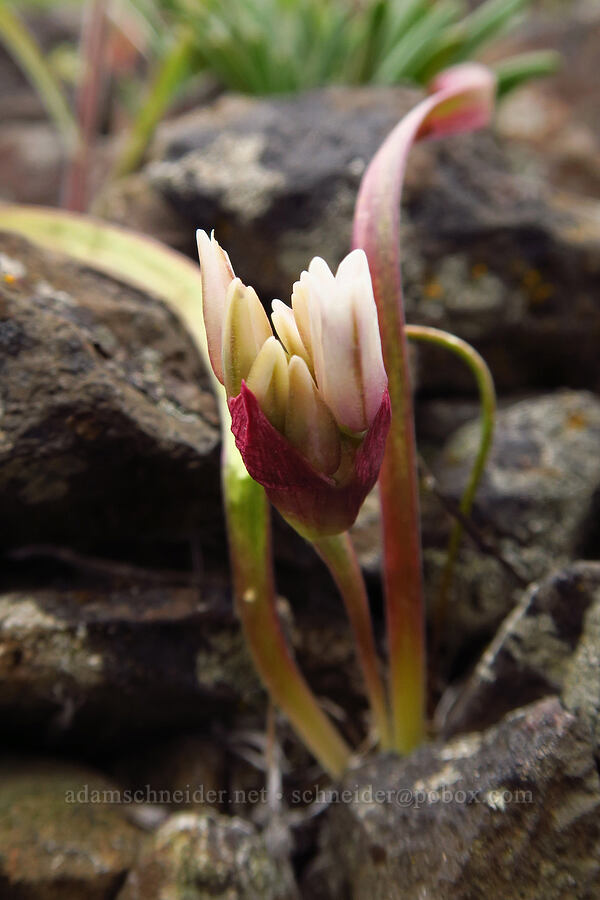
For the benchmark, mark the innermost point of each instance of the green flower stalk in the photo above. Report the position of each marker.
(309, 410)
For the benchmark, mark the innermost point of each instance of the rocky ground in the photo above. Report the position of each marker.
(121, 661)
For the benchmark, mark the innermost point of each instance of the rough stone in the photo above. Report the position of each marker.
(52, 845)
(536, 505)
(201, 856)
(539, 485)
(94, 666)
(548, 644)
(509, 813)
(186, 771)
(267, 172)
(488, 253)
(102, 396)
(100, 664)
(581, 686)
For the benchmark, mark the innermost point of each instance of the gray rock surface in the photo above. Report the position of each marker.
(102, 396)
(549, 644)
(536, 505)
(581, 686)
(538, 488)
(200, 856)
(94, 666)
(53, 846)
(99, 663)
(488, 254)
(509, 813)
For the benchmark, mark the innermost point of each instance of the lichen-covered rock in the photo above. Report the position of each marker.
(537, 505)
(101, 663)
(536, 501)
(549, 643)
(194, 857)
(539, 485)
(92, 666)
(510, 814)
(487, 253)
(581, 685)
(106, 424)
(55, 844)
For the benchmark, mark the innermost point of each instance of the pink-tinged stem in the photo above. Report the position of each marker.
(249, 533)
(338, 554)
(92, 54)
(462, 100)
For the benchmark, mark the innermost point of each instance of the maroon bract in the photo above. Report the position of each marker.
(314, 503)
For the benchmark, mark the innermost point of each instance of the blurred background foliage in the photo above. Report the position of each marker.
(159, 50)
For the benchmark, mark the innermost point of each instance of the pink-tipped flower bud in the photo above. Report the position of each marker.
(310, 409)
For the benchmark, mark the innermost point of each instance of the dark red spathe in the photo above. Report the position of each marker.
(298, 491)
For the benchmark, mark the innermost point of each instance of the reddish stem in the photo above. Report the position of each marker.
(462, 100)
(92, 53)
(338, 554)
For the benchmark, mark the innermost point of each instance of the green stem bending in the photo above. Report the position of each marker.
(27, 54)
(338, 554)
(248, 526)
(487, 395)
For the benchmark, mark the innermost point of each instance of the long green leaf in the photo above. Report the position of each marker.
(21, 45)
(409, 52)
(515, 70)
(487, 21)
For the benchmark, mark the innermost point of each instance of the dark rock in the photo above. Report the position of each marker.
(94, 667)
(536, 506)
(539, 483)
(549, 640)
(201, 856)
(54, 843)
(487, 253)
(510, 813)
(276, 178)
(102, 664)
(581, 686)
(108, 427)
(185, 771)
